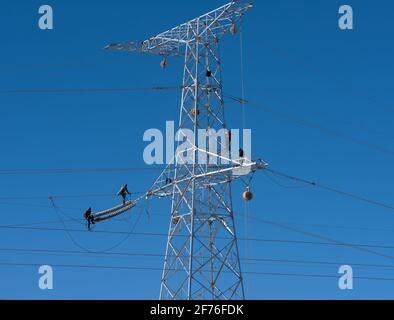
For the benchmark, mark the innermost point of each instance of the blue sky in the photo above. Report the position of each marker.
(297, 62)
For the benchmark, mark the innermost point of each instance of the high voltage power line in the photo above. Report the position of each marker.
(312, 125)
(289, 223)
(333, 190)
(332, 242)
(153, 255)
(361, 247)
(277, 113)
(367, 248)
(89, 90)
(76, 170)
(282, 274)
(157, 234)
(274, 172)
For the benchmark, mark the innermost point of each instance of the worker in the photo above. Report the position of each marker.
(123, 192)
(228, 140)
(241, 153)
(89, 217)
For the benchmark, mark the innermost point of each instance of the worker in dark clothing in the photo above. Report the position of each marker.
(241, 153)
(89, 217)
(123, 192)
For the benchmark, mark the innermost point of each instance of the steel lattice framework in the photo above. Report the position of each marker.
(202, 258)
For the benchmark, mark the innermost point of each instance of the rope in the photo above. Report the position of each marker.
(241, 43)
(76, 243)
(65, 227)
(246, 221)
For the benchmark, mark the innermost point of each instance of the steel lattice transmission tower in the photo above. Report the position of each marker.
(202, 258)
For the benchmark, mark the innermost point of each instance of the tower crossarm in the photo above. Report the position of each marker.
(236, 170)
(205, 29)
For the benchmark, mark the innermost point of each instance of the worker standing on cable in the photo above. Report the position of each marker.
(123, 192)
